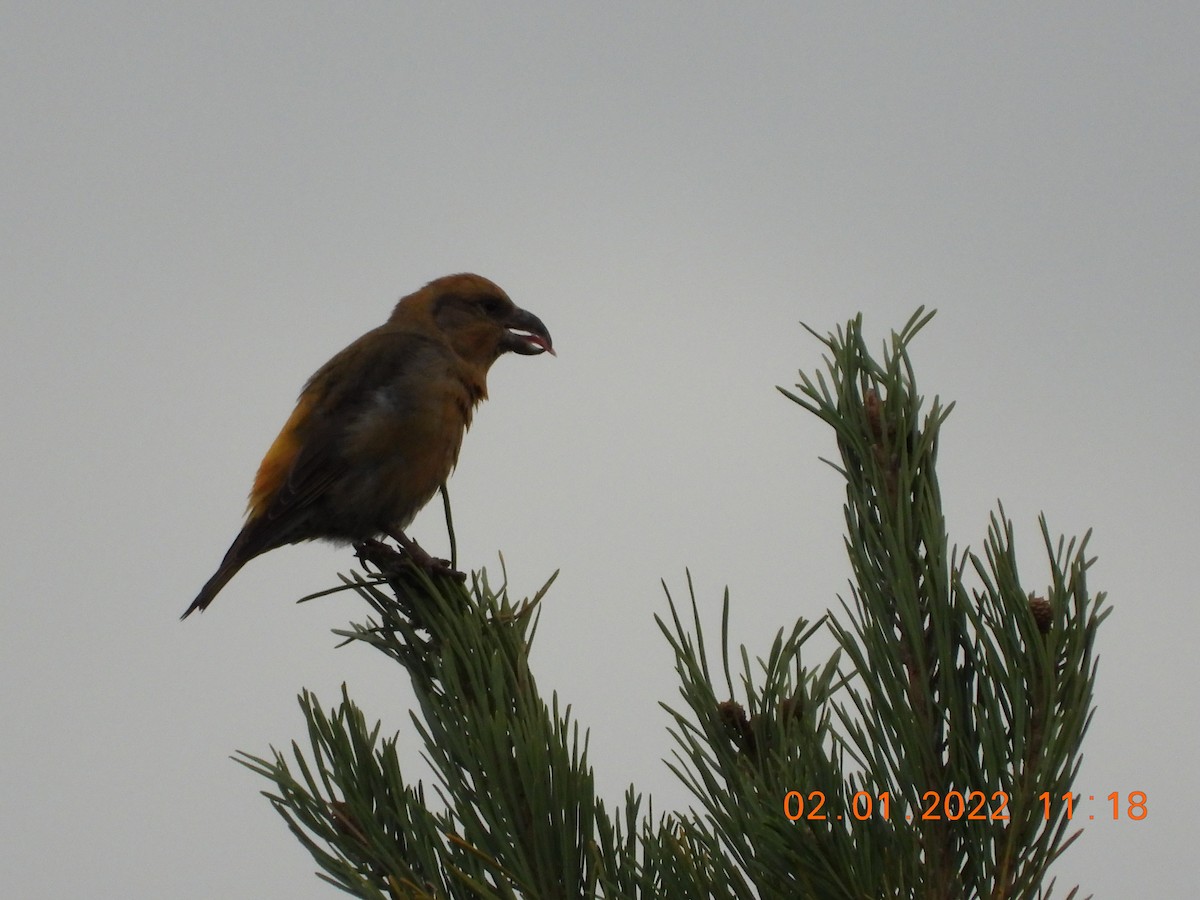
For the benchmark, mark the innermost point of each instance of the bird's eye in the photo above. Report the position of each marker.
(493, 307)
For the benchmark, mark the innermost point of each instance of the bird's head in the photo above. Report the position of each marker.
(476, 318)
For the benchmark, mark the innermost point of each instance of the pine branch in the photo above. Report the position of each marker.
(811, 779)
(957, 690)
(520, 816)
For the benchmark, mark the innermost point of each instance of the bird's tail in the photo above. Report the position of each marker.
(240, 552)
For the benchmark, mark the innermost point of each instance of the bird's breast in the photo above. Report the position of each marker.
(405, 443)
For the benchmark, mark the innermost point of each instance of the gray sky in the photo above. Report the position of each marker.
(204, 201)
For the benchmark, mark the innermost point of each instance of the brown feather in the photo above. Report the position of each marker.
(378, 428)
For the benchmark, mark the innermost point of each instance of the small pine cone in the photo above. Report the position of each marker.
(1043, 615)
(343, 819)
(874, 410)
(737, 726)
(791, 707)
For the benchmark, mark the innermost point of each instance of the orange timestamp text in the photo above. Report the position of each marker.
(953, 806)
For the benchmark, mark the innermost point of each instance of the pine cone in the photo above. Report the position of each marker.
(874, 410)
(1043, 615)
(792, 707)
(737, 726)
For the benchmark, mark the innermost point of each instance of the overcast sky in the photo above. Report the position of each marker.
(204, 201)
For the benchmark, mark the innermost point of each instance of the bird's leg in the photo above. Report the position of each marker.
(430, 564)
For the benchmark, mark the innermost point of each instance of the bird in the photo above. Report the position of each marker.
(377, 429)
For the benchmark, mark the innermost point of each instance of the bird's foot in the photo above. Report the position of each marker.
(431, 564)
(384, 557)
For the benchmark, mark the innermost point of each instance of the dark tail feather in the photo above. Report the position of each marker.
(238, 555)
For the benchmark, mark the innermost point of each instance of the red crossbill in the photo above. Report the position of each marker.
(378, 428)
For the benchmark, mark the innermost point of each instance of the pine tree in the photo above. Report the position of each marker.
(946, 726)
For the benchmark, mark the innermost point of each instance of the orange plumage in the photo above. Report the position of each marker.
(378, 428)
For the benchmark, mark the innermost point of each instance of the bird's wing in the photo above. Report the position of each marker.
(308, 456)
